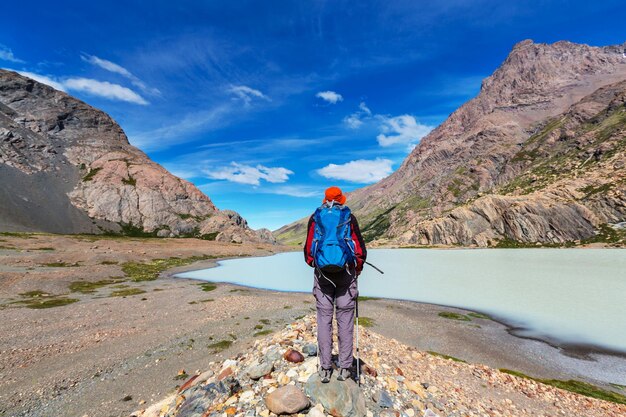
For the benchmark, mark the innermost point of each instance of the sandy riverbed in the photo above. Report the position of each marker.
(105, 355)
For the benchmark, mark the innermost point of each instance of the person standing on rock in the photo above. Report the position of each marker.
(334, 247)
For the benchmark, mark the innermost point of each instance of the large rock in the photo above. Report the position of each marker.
(194, 401)
(286, 400)
(339, 398)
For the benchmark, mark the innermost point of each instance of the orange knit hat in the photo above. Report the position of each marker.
(334, 194)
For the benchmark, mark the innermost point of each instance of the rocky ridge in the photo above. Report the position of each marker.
(274, 378)
(67, 167)
(544, 107)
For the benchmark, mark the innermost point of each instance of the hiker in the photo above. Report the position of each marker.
(335, 248)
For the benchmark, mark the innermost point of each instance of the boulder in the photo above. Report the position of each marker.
(286, 400)
(339, 398)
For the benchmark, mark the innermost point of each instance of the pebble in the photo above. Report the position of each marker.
(310, 349)
(317, 411)
(293, 356)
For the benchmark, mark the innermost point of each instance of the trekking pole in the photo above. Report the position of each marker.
(358, 357)
(375, 267)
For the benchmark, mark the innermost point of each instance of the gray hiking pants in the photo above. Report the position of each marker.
(342, 299)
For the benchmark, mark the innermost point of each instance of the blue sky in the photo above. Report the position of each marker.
(265, 104)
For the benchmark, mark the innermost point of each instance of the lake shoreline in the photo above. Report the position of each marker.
(88, 356)
(560, 356)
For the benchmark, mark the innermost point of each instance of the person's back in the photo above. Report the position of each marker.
(334, 247)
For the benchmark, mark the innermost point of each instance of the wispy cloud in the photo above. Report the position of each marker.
(118, 69)
(180, 132)
(361, 171)
(6, 54)
(44, 79)
(356, 119)
(330, 96)
(401, 130)
(247, 174)
(103, 89)
(293, 191)
(247, 94)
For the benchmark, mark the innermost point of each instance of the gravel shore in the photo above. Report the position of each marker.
(111, 342)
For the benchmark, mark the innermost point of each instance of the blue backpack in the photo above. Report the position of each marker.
(332, 247)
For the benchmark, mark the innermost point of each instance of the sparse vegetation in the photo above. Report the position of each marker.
(607, 234)
(220, 346)
(181, 376)
(92, 172)
(262, 333)
(362, 298)
(366, 321)
(129, 181)
(578, 387)
(454, 316)
(18, 234)
(87, 287)
(441, 355)
(126, 292)
(378, 226)
(207, 286)
(39, 299)
(479, 316)
(209, 236)
(149, 271)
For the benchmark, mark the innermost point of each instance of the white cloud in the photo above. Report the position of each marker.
(362, 171)
(294, 191)
(330, 96)
(104, 89)
(87, 85)
(247, 174)
(356, 119)
(6, 54)
(247, 94)
(44, 79)
(118, 69)
(402, 129)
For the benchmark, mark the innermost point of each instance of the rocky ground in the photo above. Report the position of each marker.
(278, 376)
(96, 326)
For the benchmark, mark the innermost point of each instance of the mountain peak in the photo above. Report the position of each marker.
(67, 167)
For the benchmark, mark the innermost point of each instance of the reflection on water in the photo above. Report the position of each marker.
(570, 295)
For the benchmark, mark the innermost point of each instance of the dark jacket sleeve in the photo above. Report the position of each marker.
(310, 231)
(359, 244)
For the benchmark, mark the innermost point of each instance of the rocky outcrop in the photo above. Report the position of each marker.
(66, 167)
(510, 163)
(396, 380)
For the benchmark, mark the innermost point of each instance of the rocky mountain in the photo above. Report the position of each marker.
(537, 156)
(66, 167)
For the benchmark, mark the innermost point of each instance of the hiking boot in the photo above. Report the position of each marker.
(344, 373)
(325, 375)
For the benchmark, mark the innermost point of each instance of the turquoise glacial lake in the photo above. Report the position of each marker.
(565, 296)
